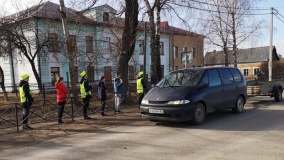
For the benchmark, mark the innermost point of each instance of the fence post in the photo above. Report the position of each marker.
(17, 117)
(43, 87)
(72, 109)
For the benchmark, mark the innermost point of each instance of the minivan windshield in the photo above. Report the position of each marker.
(181, 78)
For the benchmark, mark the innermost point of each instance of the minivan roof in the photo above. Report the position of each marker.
(202, 68)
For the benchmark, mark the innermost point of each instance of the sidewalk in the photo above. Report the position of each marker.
(9, 138)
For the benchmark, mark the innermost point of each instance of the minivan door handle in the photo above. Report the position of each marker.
(237, 87)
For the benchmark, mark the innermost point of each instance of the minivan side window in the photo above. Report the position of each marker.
(226, 76)
(236, 74)
(214, 77)
(204, 78)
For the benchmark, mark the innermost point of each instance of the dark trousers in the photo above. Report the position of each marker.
(141, 95)
(26, 112)
(61, 109)
(86, 105)
(103, 103)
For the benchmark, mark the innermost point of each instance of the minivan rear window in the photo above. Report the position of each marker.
(181, 78)
(236, 74)
(226, 76)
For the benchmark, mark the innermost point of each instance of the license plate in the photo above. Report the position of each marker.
(157, 111)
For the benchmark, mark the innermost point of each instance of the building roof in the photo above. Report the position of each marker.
(249, 55)
(49, 10)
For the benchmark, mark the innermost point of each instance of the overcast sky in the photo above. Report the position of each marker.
(11, 6)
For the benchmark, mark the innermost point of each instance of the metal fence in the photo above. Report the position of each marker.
(44, 109)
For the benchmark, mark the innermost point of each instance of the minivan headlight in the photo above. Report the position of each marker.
(145, 101)
(179, 102)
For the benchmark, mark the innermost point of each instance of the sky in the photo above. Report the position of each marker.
(11, 6)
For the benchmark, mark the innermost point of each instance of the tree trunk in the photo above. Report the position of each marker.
(2, 80)
(234, 40)
(157, 43)
(39, 83)
(68, 50)
(128, 41)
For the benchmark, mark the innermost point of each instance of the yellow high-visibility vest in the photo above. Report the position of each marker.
(23, 97)
(83, 90)
(139, 85)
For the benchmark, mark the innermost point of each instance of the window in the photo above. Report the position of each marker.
(193, 52)
(131, 74)
(73, 39)
(256, 70)
(226, 76)
(245, 72)
(236, 74)
(175, 52)
(162, 71)
(141, 47)
(91, 73)
(89, 44)
(214, 78)
(161, 47)
(53, 45)
(105, 16)
(54, 74)
(106, 44)
(204, 78)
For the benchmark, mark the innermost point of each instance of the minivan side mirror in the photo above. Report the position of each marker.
(201, 86)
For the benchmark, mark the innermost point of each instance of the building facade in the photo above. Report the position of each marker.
(95, 37)
(249, 60)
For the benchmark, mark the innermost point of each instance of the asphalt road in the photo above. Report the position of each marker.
(256, 134)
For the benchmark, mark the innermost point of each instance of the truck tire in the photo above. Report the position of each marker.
(277, 95)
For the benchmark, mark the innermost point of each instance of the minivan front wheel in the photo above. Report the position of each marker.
(239, 106)
(199, 114)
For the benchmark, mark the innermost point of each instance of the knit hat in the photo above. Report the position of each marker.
(24, 76)
(140, 73)
(82, 74)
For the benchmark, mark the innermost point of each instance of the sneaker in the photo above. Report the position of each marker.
(27, 127)
(86, 117)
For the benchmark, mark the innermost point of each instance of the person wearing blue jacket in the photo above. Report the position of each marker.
(117, 82)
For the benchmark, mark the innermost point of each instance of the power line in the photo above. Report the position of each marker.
(207, 10)
(278, 13)
(279, 18)
(225, 6)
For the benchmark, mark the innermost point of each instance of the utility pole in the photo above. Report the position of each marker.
(270, 47)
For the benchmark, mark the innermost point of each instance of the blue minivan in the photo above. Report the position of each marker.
(189, 94)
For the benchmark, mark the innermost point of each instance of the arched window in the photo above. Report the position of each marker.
(105, 16)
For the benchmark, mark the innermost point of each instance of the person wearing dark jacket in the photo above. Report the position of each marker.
(61, 91)
(26, 99)
(102, 94)
(86, 95)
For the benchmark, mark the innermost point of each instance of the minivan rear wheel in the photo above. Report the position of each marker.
(199, 114)
(239, 106)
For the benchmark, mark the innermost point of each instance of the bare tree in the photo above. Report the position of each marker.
(229, 23)
(128, 40)
(18, 39)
